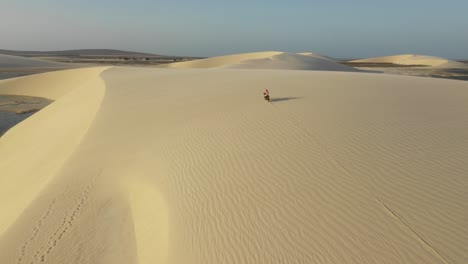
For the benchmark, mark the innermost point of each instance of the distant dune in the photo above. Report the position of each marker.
(221, 61)
(411, 59)
(16, 62)
(51, 85)
(267, 60)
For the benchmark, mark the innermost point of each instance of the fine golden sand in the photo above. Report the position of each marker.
(267, 60)
(142, 165)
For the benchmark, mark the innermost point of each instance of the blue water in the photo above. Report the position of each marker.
(9, 120)
(8, 75)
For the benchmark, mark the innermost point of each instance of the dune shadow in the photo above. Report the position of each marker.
(281, 99)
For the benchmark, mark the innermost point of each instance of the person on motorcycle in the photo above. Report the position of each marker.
(266, 95)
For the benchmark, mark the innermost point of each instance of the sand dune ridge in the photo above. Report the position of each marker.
(267, 60)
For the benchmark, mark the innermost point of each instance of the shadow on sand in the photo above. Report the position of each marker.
(281, 99)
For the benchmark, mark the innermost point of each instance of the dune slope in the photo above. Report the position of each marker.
(267, 60)
(34, 150)
(221, 60)
(51, 85)
(193, 166)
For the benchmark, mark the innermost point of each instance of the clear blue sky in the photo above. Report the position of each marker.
(338, 28)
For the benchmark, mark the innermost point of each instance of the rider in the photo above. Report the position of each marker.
(266, 95)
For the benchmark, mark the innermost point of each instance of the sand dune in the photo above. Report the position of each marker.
(12, 62)
(48, 138)
(51, 85)
(222, 60)
(411, 59)
(267, 60)
(148, 165)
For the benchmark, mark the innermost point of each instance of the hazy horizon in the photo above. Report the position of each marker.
(208, 28)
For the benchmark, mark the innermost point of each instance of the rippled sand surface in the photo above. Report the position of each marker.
(140, 165)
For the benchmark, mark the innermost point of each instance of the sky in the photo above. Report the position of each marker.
(337, 28)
